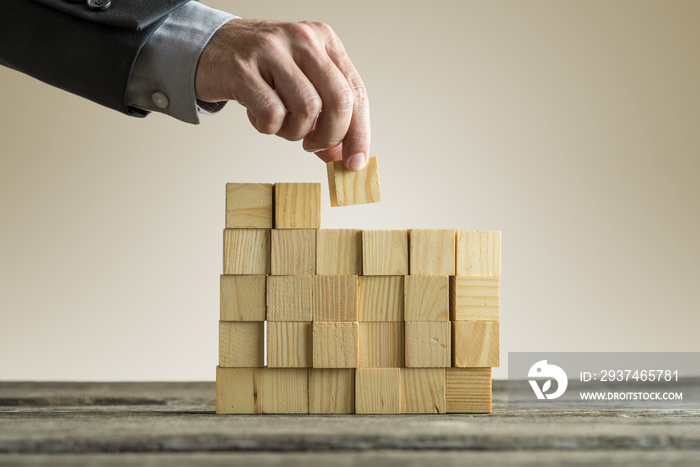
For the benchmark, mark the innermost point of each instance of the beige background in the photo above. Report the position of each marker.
(573, 127)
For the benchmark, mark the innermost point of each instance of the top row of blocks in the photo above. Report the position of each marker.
(267, 206)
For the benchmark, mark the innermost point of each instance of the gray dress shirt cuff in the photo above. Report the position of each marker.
(162, 79)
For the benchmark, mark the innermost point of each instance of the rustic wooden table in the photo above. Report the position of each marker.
(174, 423)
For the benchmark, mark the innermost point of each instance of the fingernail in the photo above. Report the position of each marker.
(356, 162)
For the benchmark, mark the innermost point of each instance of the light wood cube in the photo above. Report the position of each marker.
(382, 345)
(422, 390)
(339, 251)
(285, 390)
(238, 390)
(432, 252)
(248, 205)
(478, 253)
(297, 205)
(332, 391)
(242, 298)
(384, 252)
(377, 391)
(335, 298)
(427, 298)
(246, 251)
(293, 252)
(349, 187)
(428, 344)
(381, 298)
(475, 298)
(336, 345)
(241, 344)
(290, 298)
(468, 390)
(475, 344)
(289, 344)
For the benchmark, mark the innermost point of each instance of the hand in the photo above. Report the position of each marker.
(297, 82)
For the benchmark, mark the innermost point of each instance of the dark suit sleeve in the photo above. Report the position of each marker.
(88, 53)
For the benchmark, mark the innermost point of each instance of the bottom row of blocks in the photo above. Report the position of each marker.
(362, 390)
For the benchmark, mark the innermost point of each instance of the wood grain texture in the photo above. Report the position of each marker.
(475, 344)
(377, 391)
(336, 345)
(293, 252)
(239, 390)
(249, 206)
(290, 298)
(468, 390)
(332, 391)
(335, 298)
(432, 252)
(381, 298)
(478, 253)
(339, 251)
(427, 298)
(241, 344)
(422, 390)
(428, 344)
(382, 345)
(297, 205)
(289, 344)
(242, 298)
(475, 298)
(348, 187)
(285, 390)
(246, 251)
(384, 252)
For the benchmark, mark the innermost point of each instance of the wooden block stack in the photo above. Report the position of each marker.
(367, 322)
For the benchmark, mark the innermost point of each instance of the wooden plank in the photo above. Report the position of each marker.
(238, 390)
(422, 390)
(428, 344)
(289, 344)
(468, 390)
(293, 252)
(475, 298)
(242, 298)
(478, 253)
(427, 298)
(290, 298)
(241, 344)
(339, 251)
(384, 252)
(348, 187)
(381, 345)
(285, 390)
(336, 345)
(381, 298)
(432, 252)
(377, 391)
(297, 205)
(249, 206)
(332, 391)
(335, 298)
(475, 344)
(246, 251)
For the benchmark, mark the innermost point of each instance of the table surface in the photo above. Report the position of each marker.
(175, 423)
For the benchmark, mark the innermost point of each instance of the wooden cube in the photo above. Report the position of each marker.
(349, 187)
(475, 344)
(427, 298)
(285, 390)
(422, 390)
(377, 391)
(432, 252)
(336, 345)
(381, 298)
(293, 252)
(339, 251)
(335, 298)
(246, 251)
(242, 298)
(428, 344)
(332, 391)
(290, 298)
(468, 390)
(289, 344)
(475, 298)
(297, 205)
(382, 345)
(384, 252)
(248, 205)
(241, 344)
(238, 390)
(478, 253)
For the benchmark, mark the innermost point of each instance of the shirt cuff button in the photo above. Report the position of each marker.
(160, 99)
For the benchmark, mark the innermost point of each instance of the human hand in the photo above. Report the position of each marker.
(297, 82)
